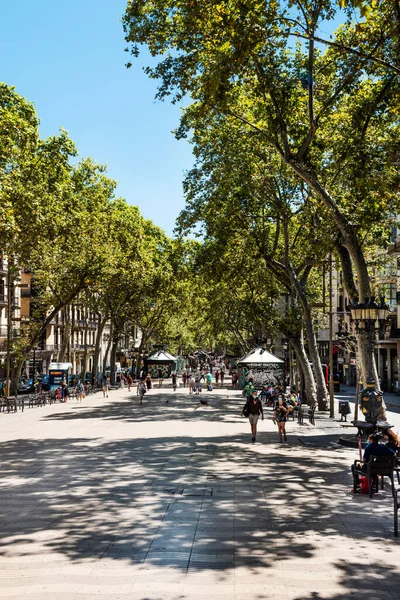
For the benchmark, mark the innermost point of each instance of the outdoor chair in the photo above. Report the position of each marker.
(377, 466)
(19, 403)
(311, 415)
(302, 413)
(11, 404)
(33, 400)
(396, 511)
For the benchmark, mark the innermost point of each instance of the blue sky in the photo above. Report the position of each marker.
(68, 58)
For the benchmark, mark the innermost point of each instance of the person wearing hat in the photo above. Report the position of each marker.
(254, 409)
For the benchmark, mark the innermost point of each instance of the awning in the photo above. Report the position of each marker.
(259, 356)
(161, 357)
(60, 366)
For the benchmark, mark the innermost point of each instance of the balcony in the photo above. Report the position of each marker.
(14, 332)
(81, 324)
(82, 347)
(49, 348)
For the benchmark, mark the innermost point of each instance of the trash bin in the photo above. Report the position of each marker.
(344, 409)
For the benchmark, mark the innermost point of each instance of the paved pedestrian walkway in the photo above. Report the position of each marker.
(161, 502)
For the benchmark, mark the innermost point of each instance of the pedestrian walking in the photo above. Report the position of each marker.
(248, 389)
(217, 376)
(235, 378)
(129, 381)
(209, 378)
(148, 382)
(184, 378)
(105, 385)
(64, 392)
(253, 409)
(142, 389)
(197, 386)
(279, 416)
(222, 375)
(160, 377)
(174, 380)
(192, 381)
(79, 391)
(122, 381)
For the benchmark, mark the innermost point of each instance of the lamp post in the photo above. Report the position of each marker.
(368, 318)
(285, 346)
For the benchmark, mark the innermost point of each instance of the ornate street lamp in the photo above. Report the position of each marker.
(369, 318)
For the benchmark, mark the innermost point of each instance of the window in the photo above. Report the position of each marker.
(391, 293)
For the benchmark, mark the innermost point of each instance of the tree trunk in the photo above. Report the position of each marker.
(18, 363)
(306, 371)
(67, 332)
(143, 342)
(113, 358)
(354, 248)
(365, 338)
(105, 358)
(85, 341)
(100, 328)
(322, 392)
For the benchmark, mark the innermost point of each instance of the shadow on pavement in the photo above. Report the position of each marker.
(195, 506)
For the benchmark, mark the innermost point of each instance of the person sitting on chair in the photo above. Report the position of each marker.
(373, 448)
(393, 441)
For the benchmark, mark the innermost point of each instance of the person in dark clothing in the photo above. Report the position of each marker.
(255, 410)
(280, 416)
(373, 448)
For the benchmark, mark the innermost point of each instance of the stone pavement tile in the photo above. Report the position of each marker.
(112, 596)
(157, 589)
(208, 546)
(209, 591)
(172, 545)
(356, 594)
(318, 593)
(261, 589)
(267, 595)
(105, 586)
(46, 596)
(49, 587)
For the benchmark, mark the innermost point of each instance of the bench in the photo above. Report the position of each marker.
(377, 466)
